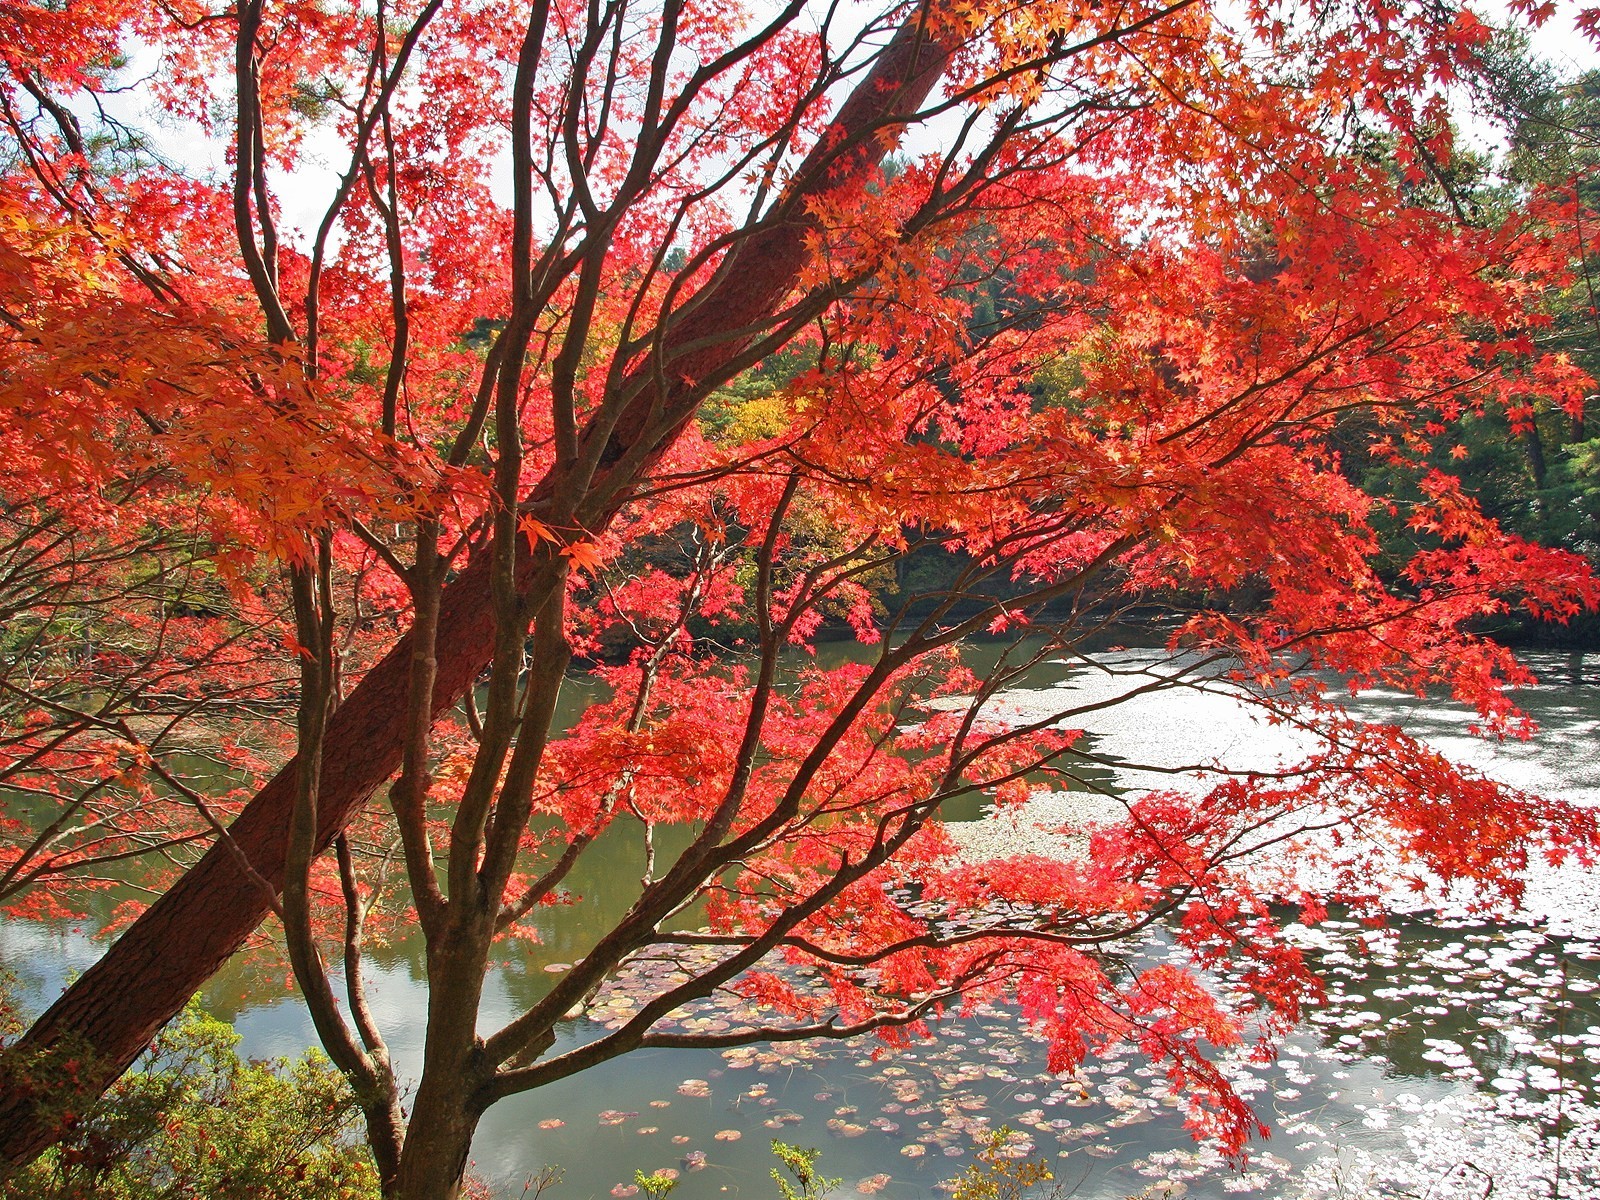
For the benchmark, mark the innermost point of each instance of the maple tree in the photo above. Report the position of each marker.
(1086, 303)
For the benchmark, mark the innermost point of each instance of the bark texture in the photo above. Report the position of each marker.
(110, 1014)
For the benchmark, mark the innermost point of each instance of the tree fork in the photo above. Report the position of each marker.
(117, 1006)
(110, 1014)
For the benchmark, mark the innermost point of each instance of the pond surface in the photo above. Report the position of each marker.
(1450, 1056)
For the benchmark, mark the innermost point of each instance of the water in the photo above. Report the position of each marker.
(1449, 1054)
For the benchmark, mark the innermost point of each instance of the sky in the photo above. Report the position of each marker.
(303, 195)
(1560, 42)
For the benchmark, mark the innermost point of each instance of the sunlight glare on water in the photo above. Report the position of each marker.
(1449, 1053)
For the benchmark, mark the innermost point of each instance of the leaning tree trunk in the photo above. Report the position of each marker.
(106, 1018)
(114, 1009)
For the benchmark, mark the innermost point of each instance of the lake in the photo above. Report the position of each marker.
(1451, 1055)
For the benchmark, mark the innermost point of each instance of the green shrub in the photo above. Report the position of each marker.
(998, 1174)
(655, 1185)
(802, 1164)
(194, 1121)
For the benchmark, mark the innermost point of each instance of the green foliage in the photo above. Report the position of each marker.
(1533, 467)
(1541, 477)
(757, 405)
(997, 1175)
(197, 1122)
(1058, 382)
(655, 1185)
(802, 1165)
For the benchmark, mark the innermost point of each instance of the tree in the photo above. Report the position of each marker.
(196, 1120)
(1101, 345)
(1551, 492)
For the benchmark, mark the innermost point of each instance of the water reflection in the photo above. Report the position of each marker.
(1438, 1013)
(1440, 1042)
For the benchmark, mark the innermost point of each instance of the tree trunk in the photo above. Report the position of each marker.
(1533, 444)
(106, 1018)
(443, 1113)
(435, 1162)
(115, 1008)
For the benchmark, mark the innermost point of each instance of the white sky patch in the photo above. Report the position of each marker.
(304, 193)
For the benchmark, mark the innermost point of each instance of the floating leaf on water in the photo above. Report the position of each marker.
(679, 1139)
(556, 969)
(625, 1189)
(648, 1129)
(694, 1087)
(551, 1123)
(695, 1160)
(914, 1150)
(872, 1184)
(727, 1135)
(661, 1104)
